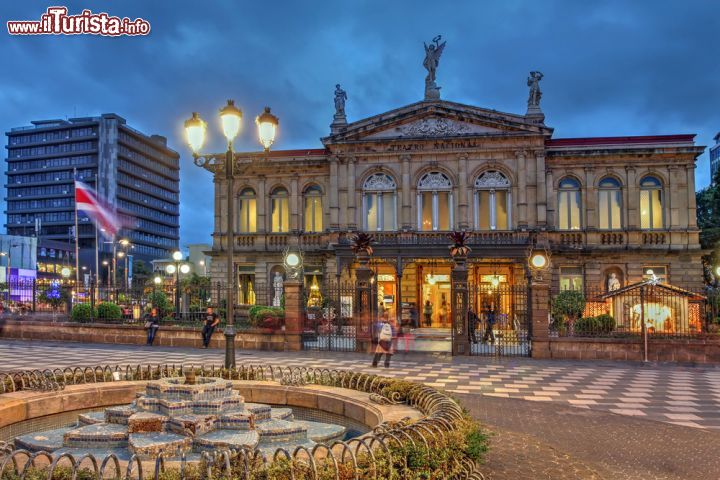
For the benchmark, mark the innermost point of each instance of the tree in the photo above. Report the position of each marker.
(567, 307)
(55, 296)
(708, 219)
(197, 289)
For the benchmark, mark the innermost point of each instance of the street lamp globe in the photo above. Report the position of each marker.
(120, 254)
(177, 256)
(717, 271)
(267, 124)
(230, 116)
(292, 260)
(195, 129)
(124, 242)
(184, 268)
(65, 272)
(538, 260)
(170, 269)
(157, 280)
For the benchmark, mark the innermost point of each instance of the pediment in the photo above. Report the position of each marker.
(436, 119)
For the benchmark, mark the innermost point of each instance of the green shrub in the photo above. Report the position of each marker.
(606, 323)
(567, 307)
(160, 301)
(262, 314)
(602, 324)
(109, 311)
(83, 313)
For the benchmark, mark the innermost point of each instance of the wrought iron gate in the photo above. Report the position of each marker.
(503, 326)
(330, 320)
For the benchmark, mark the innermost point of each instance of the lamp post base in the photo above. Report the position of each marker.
(230, 346)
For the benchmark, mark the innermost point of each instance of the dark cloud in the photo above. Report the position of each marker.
(611, 68)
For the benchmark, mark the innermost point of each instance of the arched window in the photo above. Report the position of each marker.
(279, 209)
(248, 211)
(569, 204)
(651, 203)
(610, 208)
(313, 209)
(434, 201)
(379, 203)
(492, 201)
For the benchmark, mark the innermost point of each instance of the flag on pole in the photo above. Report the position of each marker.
(105, 218)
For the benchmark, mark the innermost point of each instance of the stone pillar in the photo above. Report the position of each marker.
(343, 192)
(260, 204)
(541, 190)
(551, 197)
(294, 313)
(522, 188)
(673, 196)
(459, 305)
(364, 304)
(590, 200)
(692, 205)
(351, 215)
(632, 199)
(539, 304)
(333, 194)
(295, 198)
(406, 219)
(462, 219)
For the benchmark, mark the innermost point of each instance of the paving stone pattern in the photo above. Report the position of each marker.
(681, 395)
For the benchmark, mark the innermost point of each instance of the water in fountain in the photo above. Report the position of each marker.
(174, 417)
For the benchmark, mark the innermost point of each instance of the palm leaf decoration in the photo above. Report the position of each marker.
(362, 244)
(458, 248)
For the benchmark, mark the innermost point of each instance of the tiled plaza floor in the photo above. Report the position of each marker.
(688, 396)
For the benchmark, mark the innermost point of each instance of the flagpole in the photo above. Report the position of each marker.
(97, 246)
(77, 235)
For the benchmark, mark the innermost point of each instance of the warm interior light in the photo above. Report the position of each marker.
(292, 260)
(170, 269)
(157, 280)
(650, 272)
(184, 268)
(538, 260)
(431, 279)
(230, 116)
(495, 281)
(177, 256)
(267, 128)
(120, 254)
(65, 272)
(717, 271)
(195, 129)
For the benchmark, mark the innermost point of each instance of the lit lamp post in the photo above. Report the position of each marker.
(65, 272)
(125, 244)
(177, 268)
(156, 281)
(195, 129)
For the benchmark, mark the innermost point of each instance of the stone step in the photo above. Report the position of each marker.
(149, 445)
(119, 414)
(91, 418)
(322, 432)
(99, 435)
(282, 413)
(243, 420)
(192, 425)
(262, 412)
(280, 431)
(146, 422)
(220, 439)
(47, 441)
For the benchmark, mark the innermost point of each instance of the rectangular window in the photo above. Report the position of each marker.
(484, 210)
(313, 214)
(371, 208)
(280, 223)
(426, 220)
(443, 220)
(248, 215)
(569, 210)
(388, 210)
(651, 214)
(571, 278)
(501, 210)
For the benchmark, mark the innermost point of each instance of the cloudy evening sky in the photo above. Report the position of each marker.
(611, 68)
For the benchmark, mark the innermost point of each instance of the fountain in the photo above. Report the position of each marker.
(182, 416)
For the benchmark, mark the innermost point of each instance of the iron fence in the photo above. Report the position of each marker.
(331, 320)
(503, 326)
(660, 310)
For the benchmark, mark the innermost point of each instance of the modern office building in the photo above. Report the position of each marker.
(136, 173)
(715, 157)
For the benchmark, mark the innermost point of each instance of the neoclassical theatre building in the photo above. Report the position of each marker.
(608, 207)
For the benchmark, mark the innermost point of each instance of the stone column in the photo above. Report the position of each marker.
(351, 214)
(551, 197)
(294, 203)
(692, 205)
(539, 304)
(364, 304)
(343, 192)
(590, 200)
(333, 194)
(462, 218)
(260, 204)
(542, 204)
(673, 196)
(294, 313)
(459, 305)
(632, 199)
(522, 189)
(406, 219)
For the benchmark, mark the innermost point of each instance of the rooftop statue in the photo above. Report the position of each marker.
(431, 62)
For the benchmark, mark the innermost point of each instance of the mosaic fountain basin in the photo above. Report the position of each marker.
(178, 419)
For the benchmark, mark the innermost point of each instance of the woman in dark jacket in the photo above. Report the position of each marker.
(152, 323)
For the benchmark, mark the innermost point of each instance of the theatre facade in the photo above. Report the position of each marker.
(610, 208)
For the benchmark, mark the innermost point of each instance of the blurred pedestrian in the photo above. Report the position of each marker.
(384, 345)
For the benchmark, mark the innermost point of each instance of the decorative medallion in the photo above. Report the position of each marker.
(434, 181)
(434, 127)
(379, 181)
(492, 179)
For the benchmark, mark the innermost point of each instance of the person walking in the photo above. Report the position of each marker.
(490, 322)
(152, 323)
(384, 343)
(472, 324)
(211, 321)
(427, 313)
